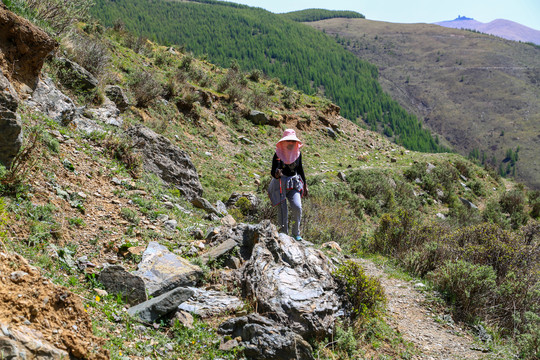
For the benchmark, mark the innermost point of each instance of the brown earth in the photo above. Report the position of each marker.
(53, 313)
(23, 49)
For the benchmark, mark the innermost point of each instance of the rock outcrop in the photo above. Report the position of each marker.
(10, 122)
(23, 49)
(167, 161)
(293, 284)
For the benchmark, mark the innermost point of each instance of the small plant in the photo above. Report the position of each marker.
(121, 149)
(365, 293)
(130, 215)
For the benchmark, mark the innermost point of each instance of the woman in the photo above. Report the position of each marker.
(288, 181)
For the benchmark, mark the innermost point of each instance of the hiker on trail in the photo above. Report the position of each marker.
(288, 182)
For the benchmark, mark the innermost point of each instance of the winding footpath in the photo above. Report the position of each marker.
(406, 313)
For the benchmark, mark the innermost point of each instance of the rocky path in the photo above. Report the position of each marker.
(435, 340)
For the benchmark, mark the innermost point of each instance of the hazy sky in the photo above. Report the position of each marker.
(525, 12)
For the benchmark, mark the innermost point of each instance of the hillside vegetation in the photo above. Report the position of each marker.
(320, 14)
(480, 93)
(471, 235)
(257, 39)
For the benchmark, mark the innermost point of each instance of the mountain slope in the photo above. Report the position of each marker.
(500, 27)
(257, 39)
(481, 93)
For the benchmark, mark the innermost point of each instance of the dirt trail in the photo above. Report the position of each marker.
(435, 341)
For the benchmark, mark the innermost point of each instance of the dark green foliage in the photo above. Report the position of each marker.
(441, 176)
(321, 14)
(365, 293)
(466, 286)
(301, 57)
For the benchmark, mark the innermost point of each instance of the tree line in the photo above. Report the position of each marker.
(301, 57)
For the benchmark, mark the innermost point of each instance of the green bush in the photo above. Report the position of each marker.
(145, 88)
(465, 285)
(365, 293)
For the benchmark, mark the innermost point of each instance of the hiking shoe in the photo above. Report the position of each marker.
(298, 238)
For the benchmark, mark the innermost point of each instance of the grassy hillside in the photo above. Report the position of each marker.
(481, 93)
(257, 39)
(402, 206)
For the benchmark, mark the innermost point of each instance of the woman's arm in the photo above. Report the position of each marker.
(275, 172)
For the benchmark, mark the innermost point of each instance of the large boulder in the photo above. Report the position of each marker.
(118, 281)
(167, 161)
(163, 271)
(23, 48)
(293, 283)
(208, 303)
(158, 307)
(118, 96)
(264, 339)
(74, 76)
(10, 122)
(53, 103)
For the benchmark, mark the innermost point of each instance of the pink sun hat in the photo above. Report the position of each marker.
(289, 135)
(288, 156)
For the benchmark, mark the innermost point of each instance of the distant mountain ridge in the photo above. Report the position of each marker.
(506, 29)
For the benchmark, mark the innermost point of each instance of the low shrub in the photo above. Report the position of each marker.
(91, 54)
(145, 88)
(121, 149)
(365, 293)
(468, 287)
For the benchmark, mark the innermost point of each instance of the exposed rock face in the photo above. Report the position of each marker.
(52, 102)
(75, 76)
(163, 271)
(153, 309)
(264, 339)
(26, 343)
(208, 303)
(23, 48)
(118, 281)
(10, 122)
(117, 95)
(293, 283)
(167, 161)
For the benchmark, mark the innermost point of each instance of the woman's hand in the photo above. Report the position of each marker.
(306, 192)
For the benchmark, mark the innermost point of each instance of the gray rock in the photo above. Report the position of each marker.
(219, 251)
(167, 161)
(51, 101)
(117, 95)
(232, 262)
(26, 343)
(330, 132)
(9, 100)
(118, 281)
(258, 117)
(341, 175)
(153, 309)
(204, 204)
(228, 220)
(11, 134)
(184, 318)
(264, 339)
(221, 208)
(108, 113)
(163, 271)
(430, 168)
(292, 282)
(441, 216)
(208, 303)
(170, 225)
(468, 204)
(74, 76)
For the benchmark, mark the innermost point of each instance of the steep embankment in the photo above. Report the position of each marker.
(477, 91)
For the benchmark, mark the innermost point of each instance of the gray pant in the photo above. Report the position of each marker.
(296, 209)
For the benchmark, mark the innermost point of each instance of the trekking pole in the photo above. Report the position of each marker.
(283, 200)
